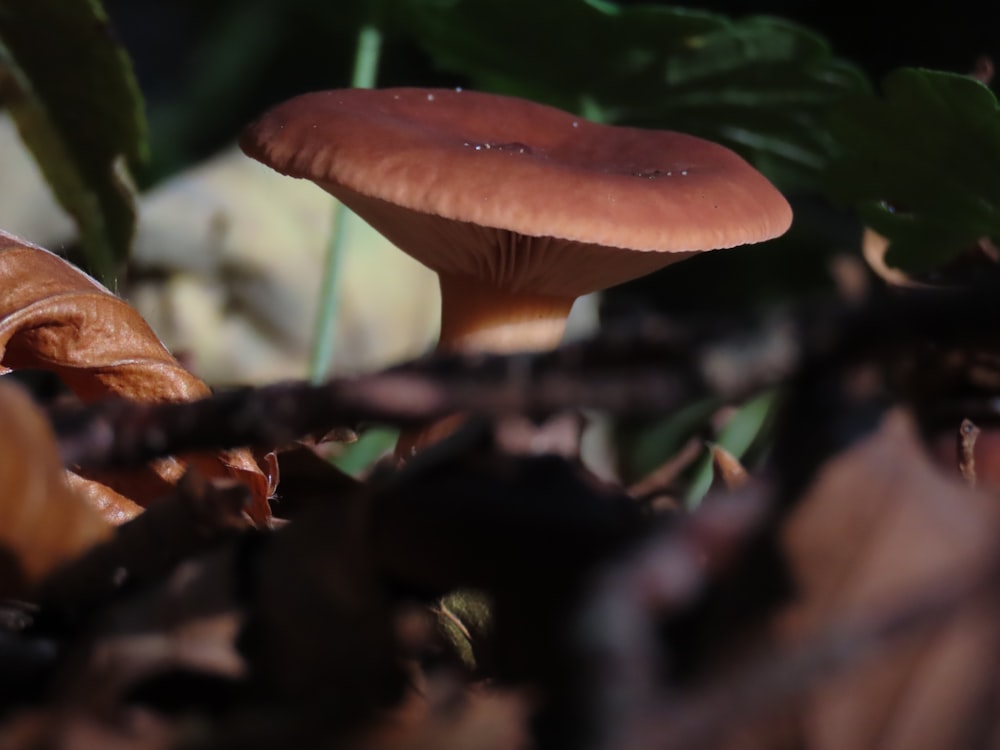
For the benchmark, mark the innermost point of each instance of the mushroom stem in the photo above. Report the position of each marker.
(477, 317)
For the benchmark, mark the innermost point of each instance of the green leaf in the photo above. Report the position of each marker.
(763, 86)
(740, 432)
(648, 446)
(69, 86)
(922, 164)
(370, 446)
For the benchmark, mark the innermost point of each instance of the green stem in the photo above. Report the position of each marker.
(366, 58)
(321, 358)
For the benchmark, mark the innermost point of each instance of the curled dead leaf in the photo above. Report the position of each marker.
(43, 522)
(874, 247)
(55, 317)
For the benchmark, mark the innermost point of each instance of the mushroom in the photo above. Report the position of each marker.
(520, 208)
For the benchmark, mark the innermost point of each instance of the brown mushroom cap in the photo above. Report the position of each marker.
(523, 196)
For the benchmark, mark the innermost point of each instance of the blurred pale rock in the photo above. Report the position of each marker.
(27, 207)
(242, 248)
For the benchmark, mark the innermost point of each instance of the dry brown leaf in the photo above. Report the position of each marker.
(442, 716)
(113, 506)
(189, 622)
(55, 317)
(881, 527)
(42, 521)
(727, 469)
(130, 728)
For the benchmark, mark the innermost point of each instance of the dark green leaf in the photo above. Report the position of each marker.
(760, 85)
(922, 164)
(359, 456)
(740, 432)
(69, 86)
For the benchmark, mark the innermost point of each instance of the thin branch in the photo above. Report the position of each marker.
(657, 483)
(117, 433)
(643, 370)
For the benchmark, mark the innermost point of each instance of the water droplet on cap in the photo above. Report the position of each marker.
(514, 147)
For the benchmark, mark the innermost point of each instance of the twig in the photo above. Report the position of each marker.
(968, 433)
(125, 433)
(642, 370)
(657, 482)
